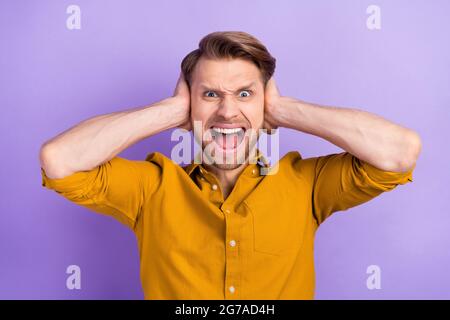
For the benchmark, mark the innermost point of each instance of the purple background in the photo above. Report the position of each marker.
(128, 53)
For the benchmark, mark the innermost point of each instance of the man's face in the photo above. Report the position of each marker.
(227, 97)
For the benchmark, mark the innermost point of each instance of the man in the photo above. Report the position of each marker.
(223, 230)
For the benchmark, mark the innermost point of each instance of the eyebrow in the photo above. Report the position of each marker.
(207, 87)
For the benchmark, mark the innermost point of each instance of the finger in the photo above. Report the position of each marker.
(181, 87)
(188, 126)
(269, 128)
(271, 88)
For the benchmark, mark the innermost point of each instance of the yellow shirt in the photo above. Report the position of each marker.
(256, 244)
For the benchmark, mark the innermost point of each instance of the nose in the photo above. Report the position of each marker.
(228, 108)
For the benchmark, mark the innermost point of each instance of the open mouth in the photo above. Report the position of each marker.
(228, 139)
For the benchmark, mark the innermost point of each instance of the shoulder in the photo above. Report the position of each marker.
(164, 164)
(290, 165)
(306, 167)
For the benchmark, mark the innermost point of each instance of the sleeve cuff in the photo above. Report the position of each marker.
(387, 177)
(74, 181)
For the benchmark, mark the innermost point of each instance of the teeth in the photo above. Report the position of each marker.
(226, 130)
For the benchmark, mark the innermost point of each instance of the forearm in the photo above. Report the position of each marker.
(369, 137)
(97, 140)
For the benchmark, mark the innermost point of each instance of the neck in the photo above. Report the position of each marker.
(226, 177)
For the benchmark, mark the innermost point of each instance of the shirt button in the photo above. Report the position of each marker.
(232, 243)
(254, 171)
(214, 186)
(232, 289)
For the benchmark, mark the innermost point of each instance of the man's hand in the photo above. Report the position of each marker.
(276, 107)
(182, 99)
(271, 101)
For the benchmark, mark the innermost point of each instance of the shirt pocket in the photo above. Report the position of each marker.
(278, 227)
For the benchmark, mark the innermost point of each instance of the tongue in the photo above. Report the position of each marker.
(227, 141)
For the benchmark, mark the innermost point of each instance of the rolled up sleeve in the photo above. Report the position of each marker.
(116, 188)
(342, 181)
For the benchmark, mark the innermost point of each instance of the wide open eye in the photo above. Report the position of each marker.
(244, 94)
(210, 94)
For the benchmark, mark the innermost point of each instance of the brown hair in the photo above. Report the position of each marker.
(230, 44)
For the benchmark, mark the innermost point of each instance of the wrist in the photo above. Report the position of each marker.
(282, 112)
(178, 109)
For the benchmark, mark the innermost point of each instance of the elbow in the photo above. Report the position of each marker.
(406, 161)
(48, 158)
(45, 154)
